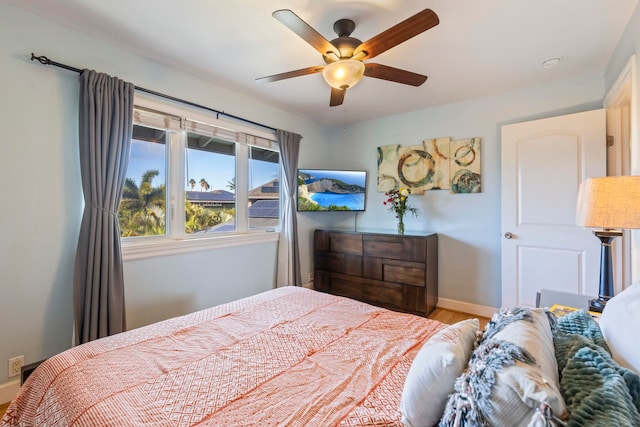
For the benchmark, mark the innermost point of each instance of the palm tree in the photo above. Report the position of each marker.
(142, 209)
(199, 218)
(204, 185)
(192, 183)
(231, 185)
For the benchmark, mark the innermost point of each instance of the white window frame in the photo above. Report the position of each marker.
(176, 240)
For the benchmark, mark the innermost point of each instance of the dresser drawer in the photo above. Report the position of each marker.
(385, 294)
(410, 273)
(339, 262)
(345, 243)
(392, 270)
(383, 247)
(338, 284)
(405, 248)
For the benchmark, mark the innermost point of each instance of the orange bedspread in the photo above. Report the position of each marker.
(286, 357)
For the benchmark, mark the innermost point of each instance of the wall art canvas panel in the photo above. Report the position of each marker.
(387, 167)
(419, 167)
(465, 166)
(437, 160)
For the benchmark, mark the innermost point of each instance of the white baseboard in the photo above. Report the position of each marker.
(9, 390)
(478, 310)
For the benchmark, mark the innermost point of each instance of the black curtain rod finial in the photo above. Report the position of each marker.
(41, 59)
(46, 61)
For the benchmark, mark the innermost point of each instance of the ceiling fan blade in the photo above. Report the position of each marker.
(289, 74)
(305, 31)
(397, 34)
(337, 96)
(384, 72)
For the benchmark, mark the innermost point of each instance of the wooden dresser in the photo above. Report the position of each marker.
(399, 272)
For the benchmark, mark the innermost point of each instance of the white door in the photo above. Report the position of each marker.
(543, 163)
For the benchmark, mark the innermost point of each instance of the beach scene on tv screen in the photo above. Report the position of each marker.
(330, 190)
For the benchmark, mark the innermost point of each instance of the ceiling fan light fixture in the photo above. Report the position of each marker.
(343, 74)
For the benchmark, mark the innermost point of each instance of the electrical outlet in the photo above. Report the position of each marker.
(15, 364)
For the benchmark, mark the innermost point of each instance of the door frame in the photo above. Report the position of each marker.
(623, 158)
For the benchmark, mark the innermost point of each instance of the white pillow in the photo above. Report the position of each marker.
(521, 388)
(617, 322)
(434, 371)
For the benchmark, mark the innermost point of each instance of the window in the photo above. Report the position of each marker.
(226, 177)
(142, 210)
(211, 166)
(264, 184)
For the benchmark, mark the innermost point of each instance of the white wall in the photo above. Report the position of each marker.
(163, 287)
(42, 195)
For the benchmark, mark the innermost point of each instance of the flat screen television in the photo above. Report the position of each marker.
(330, 190)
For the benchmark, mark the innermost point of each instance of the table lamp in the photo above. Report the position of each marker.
(610, 204)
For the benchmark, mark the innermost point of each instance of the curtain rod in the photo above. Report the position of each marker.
(46, 61)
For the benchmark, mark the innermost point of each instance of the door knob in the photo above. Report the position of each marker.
(508, 235)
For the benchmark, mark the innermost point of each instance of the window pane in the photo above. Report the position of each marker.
(264, 188)
(142, 209)
(210, 185)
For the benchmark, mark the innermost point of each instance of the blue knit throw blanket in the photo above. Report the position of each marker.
(596, 390)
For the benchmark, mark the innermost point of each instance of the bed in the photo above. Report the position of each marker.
(290, 356)
(297, 357)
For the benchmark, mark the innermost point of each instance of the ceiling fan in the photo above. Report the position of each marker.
(344, 55)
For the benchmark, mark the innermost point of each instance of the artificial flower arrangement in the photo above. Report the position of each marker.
(397, 201)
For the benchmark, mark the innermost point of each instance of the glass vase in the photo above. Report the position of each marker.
(400, 226)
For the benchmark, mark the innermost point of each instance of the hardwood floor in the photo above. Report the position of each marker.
(3, 408)
(450, 317)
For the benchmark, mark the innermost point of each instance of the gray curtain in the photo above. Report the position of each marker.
(288, 252)
(105, 122)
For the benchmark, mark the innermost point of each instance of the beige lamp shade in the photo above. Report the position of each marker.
(611, 202)
(343, 74)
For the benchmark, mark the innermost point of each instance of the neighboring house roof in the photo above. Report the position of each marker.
(221, 196)
(269, 190)
(265, 209)
(262, 214)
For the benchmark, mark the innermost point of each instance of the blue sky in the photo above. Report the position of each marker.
(216, 169)
(349, 177)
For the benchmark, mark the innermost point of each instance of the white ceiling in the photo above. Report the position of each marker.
(479, 47)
